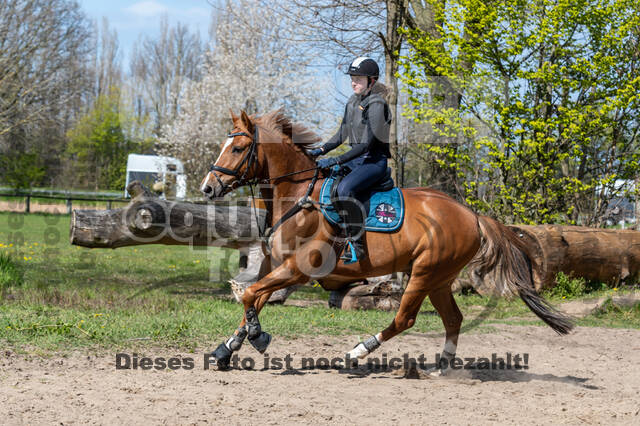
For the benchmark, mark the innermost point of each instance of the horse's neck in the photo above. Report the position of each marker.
(284, 196)
(286, 191)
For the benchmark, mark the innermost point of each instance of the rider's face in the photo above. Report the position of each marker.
(359, 84)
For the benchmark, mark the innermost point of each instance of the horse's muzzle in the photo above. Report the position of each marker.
(211, 192)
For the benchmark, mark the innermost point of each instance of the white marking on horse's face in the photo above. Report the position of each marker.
(205, 182)
(224, 147)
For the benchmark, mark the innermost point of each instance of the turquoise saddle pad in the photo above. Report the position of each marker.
(386, 209)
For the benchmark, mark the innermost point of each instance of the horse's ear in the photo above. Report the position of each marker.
(246, 121)
(234, 117)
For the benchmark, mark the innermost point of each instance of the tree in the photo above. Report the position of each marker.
(544, 109)
(107, 68)
(43, 68)
(21, 170)
(160, 69)
(99, 145)
(253, 65)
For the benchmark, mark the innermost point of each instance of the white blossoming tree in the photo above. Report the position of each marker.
(253, 64)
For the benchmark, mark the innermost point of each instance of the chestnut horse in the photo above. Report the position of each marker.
(438, 238)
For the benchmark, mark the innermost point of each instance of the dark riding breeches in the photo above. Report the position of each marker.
(348, 205)
(362, 177)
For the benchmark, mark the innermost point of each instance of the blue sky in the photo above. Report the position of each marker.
(132, 19)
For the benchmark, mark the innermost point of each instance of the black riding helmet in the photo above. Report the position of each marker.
(365, 67)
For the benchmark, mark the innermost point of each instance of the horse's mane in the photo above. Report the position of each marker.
(297, 134)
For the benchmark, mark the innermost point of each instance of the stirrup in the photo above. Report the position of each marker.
(349, 254)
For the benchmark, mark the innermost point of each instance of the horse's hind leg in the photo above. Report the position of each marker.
(410, 303)
(442, 299)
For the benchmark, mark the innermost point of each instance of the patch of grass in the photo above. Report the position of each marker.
(185, 323)
(612, 315)
(567, 286)
(310, 292)
(11, 273)
(175, 296)
(570, 287)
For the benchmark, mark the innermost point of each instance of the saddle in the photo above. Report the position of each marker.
(383, 202)
(385, 183)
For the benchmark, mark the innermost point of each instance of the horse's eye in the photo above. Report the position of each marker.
(237, 149)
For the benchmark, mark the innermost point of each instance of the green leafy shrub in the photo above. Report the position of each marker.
(568, 286)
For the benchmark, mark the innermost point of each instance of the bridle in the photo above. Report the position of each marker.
(249, 158)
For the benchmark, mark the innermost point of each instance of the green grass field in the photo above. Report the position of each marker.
(63, 297)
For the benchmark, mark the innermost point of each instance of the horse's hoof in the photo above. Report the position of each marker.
(359, 351)
(261, 342)
(222, 354)
(363, 349)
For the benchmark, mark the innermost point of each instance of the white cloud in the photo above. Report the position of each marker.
(147, 9)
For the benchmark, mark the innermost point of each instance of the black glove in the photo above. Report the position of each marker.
(325, 163)
(316, 152)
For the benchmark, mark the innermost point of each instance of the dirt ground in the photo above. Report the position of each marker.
(588, 377)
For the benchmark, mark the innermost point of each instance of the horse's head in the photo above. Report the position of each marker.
(237, 163)
(275, 150)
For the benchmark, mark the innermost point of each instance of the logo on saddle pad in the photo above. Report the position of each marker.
(385, 213)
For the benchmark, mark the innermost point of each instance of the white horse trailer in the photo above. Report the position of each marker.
(164, 175)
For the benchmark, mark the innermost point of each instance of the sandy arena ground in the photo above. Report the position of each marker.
(588, 377)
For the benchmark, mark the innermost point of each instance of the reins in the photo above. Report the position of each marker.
(290, 174)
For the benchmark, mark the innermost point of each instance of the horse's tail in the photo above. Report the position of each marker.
(507, 258)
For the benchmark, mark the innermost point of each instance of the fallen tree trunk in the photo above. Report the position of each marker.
(605, 255)
(379, 293)
(610, 256)
(151, 220)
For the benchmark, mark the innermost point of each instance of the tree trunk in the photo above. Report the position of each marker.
(604, 255)
(391, 66)
(636, 213)
(150, 220)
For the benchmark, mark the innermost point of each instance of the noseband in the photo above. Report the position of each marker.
(249, 158)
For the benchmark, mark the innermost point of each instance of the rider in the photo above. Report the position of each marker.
(366, 124)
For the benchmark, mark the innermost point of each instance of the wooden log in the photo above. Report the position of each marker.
(148, 219)
(379, 294)
(605, 255)
(151, 220)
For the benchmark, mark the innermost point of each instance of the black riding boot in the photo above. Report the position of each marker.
(353, 223)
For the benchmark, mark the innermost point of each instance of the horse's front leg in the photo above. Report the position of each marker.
(254, 299)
